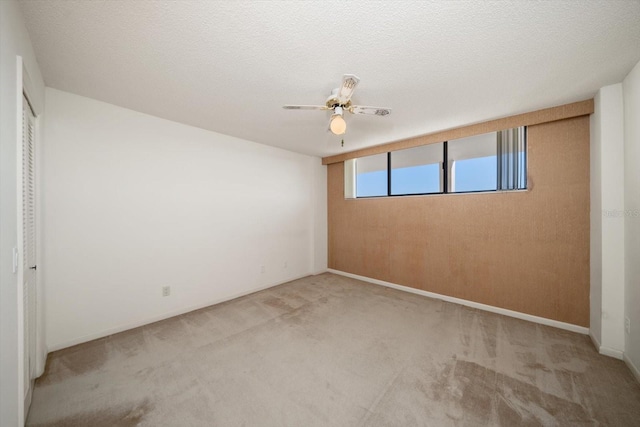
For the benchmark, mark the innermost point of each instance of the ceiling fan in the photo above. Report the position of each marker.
(340, 101)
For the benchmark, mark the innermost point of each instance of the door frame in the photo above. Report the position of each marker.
(26, 89)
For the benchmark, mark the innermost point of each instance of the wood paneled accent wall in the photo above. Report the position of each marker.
(526, 251)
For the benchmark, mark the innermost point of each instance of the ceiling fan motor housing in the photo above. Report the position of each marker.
(332, 100)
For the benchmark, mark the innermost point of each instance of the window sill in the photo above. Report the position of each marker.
(439, 194)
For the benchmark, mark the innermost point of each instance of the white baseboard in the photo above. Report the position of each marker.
(133, 325)
(633, 368)
(595, 341)
(606, 351)
(485, 307)
(611, 352)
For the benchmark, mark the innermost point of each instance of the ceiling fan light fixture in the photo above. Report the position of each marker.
(337, 125)
(338, 102)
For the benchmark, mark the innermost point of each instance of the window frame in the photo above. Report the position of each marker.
(446, 172)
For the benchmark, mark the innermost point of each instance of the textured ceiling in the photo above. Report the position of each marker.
(229, 66)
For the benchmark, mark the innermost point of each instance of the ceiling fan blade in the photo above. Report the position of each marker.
(305, 107)
(349, 83)
(374, 111)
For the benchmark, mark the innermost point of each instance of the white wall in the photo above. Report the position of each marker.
(14, 42)
(595, 235)
(607, 221)
(615, 220)
(320, 249)
(134, 203)
(631, 91)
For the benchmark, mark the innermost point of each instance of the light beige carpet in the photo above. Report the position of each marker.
(331, 351)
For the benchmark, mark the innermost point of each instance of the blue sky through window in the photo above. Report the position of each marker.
(411, 180)
(476, 174)
(416, 179)
(371, 184)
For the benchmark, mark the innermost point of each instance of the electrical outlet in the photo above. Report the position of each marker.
(284, 265)
(166, 291)
(263, 269)
(627, 325)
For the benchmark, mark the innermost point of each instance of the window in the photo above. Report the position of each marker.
(371, 176)
(417, 170)
(495, 161)
(473, 163)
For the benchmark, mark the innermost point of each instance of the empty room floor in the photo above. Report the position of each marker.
(328, 350)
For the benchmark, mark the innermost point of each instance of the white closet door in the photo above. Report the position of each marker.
(29, 247)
